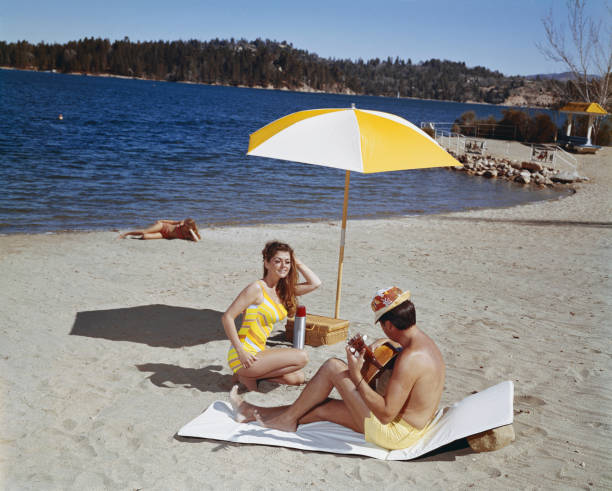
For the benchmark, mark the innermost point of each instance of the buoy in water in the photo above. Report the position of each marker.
(61, 116)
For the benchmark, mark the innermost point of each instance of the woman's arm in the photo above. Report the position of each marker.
(312, 280)
(171, 222)
(250, 295)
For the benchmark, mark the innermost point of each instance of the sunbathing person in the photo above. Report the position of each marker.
(393, 421)
(168, 229)
(264, 303)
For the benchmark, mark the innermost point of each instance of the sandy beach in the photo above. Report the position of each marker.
(110, 346)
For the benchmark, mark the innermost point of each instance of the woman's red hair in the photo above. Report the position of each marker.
(286, 286)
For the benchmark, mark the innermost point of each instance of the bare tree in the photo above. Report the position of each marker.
(588, 56)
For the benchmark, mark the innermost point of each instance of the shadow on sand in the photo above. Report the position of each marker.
(448, 453)
(155, 325)
(537, 223)
(205, 379)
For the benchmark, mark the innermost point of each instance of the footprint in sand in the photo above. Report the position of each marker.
(532, 432)
(86, 448)
(69, 424)
(530, 401)
(599, 425)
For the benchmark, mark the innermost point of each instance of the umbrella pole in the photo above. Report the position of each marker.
(347, 179)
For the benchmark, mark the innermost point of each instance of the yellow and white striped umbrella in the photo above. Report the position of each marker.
(350, 139)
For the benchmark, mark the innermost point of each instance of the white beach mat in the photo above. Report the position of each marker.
(478, 412)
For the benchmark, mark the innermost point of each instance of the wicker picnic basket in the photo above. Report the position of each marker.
(320, 330)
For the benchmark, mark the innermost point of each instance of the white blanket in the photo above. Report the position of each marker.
(482, 411)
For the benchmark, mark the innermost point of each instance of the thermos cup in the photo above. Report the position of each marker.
(299, 327)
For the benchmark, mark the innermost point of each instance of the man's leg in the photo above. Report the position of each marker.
(333, 410)
(315, 392)
(313, 405)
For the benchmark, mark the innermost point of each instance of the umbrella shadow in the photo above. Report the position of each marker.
(155, 325)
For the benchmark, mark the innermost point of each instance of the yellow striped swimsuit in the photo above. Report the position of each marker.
(256, 326)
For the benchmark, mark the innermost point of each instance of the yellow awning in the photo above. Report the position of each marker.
(588, 108)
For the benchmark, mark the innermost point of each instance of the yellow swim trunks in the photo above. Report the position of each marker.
(396, 435)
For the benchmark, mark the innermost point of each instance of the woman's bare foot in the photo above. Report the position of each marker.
(249, 383)
(280, 422)
(243, 410)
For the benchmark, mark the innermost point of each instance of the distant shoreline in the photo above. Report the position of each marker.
(307, 89)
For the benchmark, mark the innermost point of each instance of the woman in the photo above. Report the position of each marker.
(264, 303)
(168, 229)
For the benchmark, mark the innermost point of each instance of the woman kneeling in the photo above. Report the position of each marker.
(264, 303)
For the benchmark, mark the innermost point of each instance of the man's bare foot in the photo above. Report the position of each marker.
(277, 423)
(243, 411)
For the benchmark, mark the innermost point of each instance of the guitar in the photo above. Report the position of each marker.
(375, 362)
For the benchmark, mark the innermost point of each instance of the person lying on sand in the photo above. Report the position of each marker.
(168, 229)
(264, 303)
(393, 421)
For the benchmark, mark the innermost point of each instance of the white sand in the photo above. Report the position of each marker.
(108, 347)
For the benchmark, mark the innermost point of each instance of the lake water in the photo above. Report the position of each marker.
(128, 152)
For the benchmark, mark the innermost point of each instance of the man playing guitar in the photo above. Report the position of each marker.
(394, 420)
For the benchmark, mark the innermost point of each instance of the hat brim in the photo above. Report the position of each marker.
(402, 298)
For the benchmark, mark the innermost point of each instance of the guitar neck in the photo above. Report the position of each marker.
(375, 362)
(359, 344)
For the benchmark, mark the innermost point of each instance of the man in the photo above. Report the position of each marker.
(393, 421)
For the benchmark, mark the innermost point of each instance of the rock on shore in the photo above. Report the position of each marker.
(513, 170)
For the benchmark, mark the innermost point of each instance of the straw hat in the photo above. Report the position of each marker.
(386, 299)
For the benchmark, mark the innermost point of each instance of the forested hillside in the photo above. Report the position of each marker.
(269, 64)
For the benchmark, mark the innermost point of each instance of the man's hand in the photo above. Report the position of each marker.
(355, 361)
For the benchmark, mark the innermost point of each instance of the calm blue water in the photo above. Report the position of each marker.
(129, 152)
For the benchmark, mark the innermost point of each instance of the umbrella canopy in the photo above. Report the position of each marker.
(351, 139)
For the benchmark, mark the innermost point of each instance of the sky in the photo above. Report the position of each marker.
(497, 34)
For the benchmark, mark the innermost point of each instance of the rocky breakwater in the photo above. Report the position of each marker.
(513, 170)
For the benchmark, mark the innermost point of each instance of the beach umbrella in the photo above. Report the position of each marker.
(350, 139)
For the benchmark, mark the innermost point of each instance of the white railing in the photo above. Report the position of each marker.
(546, 154)
(542, 154)
(450, 141)
(554, 156)
(454, 142)
(561, 156)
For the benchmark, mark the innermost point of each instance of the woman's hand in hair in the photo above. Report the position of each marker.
(312, 280)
